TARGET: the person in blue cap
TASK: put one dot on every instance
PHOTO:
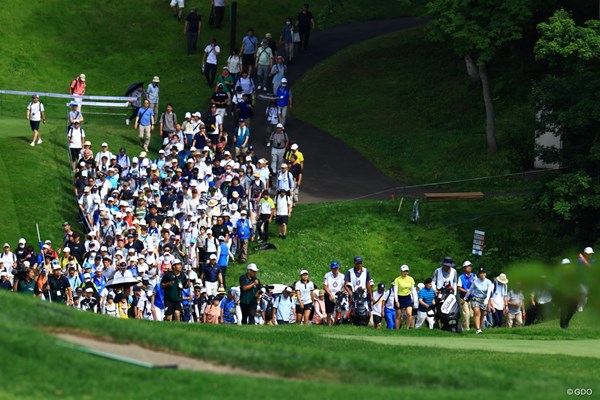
(359, 277)
(333, 283)
(445, 274)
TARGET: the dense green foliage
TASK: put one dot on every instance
(570, 92)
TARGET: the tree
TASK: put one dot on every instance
(570, 94)
(476, 29)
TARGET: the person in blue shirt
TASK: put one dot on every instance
(241, 137)
(244, 234)
(223, 260)
(228, 306)
(426, 300)
(465, 280)
(248, 50)
(282, 309)
(144, 123)
(284, 99)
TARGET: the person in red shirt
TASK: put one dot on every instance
(78, 88)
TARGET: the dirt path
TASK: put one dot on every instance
(573, 348)
(333, 169)
(155, 358)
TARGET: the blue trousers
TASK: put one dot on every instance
(390, 318)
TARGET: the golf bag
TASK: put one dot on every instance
(341, 313)
(360, 312)
(448, 310)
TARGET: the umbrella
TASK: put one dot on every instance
(267, 97)
(132, 87)
(121, 282)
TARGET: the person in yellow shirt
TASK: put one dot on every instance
(405, 285)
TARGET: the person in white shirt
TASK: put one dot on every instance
(35, 114)
(304, 292)
(445, 274)
(76, 136)
(378, 305)
(499, 306)
(480, 293)
(209, 61)
(283, 210)
(102, 153)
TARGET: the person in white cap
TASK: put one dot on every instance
(153, 94)
(8, 259)
(249, 287)
(282, 308)
(188, 128)
(212, 276)
(304, 289)
(465, 280)
(104, 152)
(35, 115)
(77, 89)
(585, 257)
(284, 99)
(278, 141)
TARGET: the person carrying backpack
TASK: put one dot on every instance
(35, 114)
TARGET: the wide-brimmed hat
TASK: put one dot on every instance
(502, 279)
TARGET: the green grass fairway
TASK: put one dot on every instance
(319, 366)
(573, 348)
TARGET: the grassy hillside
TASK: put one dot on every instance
(407, 106)
(322, 362)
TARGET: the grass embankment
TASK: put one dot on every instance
(331, 367)
(407, 106)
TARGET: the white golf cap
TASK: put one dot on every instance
(565, 261)
(294, 146)
(404, 268)
(467, 263)
(188, 115)
(252, 267)
(588, 250)
(303, 272)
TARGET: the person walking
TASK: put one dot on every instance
(287, 39)
(248, 50)
(284, 99)
(305, 23)
(192, 28)
(426, 302)
(209, 62)
(465, 280)
(172, 284)
(35, 115)
(480, 293)
(282, 308)
(244, 235)
(499, 306)
(77, 89)
(138, 93)
(277, 73)
(144, 122)
(263, 64)
(333, 283)
(168, 121)
(405, 285)
(219, 7)
(305, 294)
(278, 142)
(76, 136)
(249, 286)
(153, 94)
(283, 211)
(266, 212)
